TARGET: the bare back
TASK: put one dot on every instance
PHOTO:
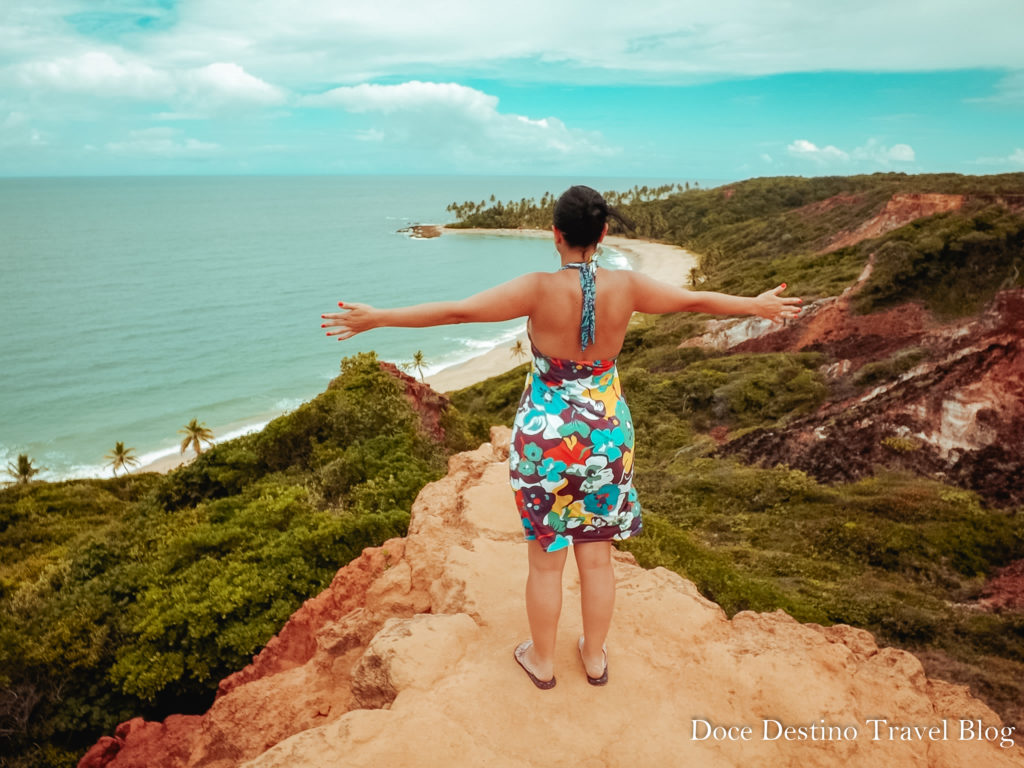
(555, 323)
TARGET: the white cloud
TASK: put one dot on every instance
(458, 119)
(100, 74)
(1015, 158)
(227, 83)
(352, 42)
(97, 73)
(369, 135)
(822, 155)
(878, 153)
(901, 153)
(872, 153)
(162, 141)
(1009, 90)
(413, 95)
(329, 42)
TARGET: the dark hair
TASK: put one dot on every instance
(581, 213)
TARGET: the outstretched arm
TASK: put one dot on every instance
(657, 298)
(503, 302)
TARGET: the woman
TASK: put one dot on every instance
(571, 457)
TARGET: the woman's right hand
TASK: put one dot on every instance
(355, 319)
(776, 308)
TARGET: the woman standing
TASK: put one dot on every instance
(571, 457)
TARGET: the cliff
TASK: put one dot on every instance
(956, 413)
(406, 660)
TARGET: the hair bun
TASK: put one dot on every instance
(580, 214)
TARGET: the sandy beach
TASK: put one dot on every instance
(661, 261)
(167, 463)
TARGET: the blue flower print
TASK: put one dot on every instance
(603, 501)
(560, 542)
(526, 465)
(606, 442)
(526, 468)
(626, 420)
(552, 470)
(546, 398)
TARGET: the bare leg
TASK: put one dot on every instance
(597, 598)
(543, 606)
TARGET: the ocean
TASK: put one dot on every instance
(130, 306)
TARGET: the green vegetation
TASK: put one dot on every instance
(195, 435)
(136, 595)
(121, 458)
(952, 262)
(896, 365)
(23, 471)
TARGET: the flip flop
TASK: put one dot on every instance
(518, 653)
(604, 675)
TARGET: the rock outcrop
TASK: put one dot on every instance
(899, 210)
(406, 660)
(957, 415)
(1005, 591)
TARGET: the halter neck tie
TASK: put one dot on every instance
(588, 271)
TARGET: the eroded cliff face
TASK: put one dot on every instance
(900, 210)
(957, 415)
(406, 660)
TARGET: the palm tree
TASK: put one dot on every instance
(419, 362)
(23, 471)
(195, 435)
(121, 458)
(518, 350)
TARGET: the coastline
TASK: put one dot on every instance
(174, 459)
(661, 261)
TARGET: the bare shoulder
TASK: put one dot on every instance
(621, 279)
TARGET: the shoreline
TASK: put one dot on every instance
(165, 464)
(662, 261)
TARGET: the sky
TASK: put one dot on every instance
(726, 90)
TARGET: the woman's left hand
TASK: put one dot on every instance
(776, 308)
(355, 319)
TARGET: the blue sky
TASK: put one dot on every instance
(723, 90)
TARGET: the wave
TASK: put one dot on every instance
(472, 348)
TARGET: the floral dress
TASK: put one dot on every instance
(571, 455)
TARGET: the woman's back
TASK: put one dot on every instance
(555, 321)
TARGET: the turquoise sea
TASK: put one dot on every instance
(131, 305)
